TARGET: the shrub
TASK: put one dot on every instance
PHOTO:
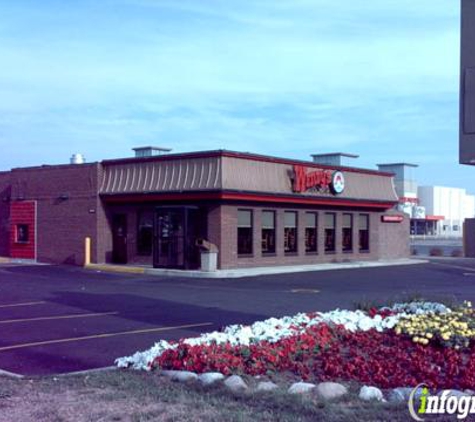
(456, 253)
(436, 252)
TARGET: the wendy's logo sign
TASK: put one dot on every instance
(338, 182)
(318, 180)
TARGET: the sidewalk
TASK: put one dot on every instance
(251, 272)
(7, 260)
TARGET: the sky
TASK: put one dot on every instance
(286, 78)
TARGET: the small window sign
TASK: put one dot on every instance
(22, 233)
(392, 218)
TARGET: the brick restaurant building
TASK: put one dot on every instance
(258, 211)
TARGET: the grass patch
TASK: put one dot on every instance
(139, 396)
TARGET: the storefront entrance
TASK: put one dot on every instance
(119, 239)
(176, 231)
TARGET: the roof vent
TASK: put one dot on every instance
(332, 158)
(77, 159)
(141, 152)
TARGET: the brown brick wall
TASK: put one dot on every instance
(228, 257)
(69, 209)
(5, 194)
(67, 206)
(388, 240)
(394, 238)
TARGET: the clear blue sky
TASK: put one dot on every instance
(286, 78)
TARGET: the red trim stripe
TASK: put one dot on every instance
(239, 196)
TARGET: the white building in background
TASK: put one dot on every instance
(451, 205)
(434, 210)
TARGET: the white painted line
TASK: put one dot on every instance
(459, 267)
(305, 291)
(51, 318)
(101, 336)
(12, 305)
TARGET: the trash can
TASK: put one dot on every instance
(209, 255)
(209, 261)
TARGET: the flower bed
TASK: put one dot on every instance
(369, 347)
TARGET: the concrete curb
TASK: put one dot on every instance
(86, 371)
(115, 268)
(10, 374)
(253, 272)
(7, 260)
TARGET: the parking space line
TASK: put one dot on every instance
(304, 291)
(12, 305)
(105, 335)
(459, 267)
(48, 318)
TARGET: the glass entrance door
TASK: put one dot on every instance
(176, 231)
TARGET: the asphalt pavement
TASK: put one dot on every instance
(59, 319)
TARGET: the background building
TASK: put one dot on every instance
(434, 210)
(453, 204)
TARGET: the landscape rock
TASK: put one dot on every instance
(331, 390)
(371, 393)
(266, 386)
(181, 376)
(454, 393)
(209, 378)
(401, 394)
(236, 384)
(301, 388)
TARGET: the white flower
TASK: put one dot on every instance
(275, 329)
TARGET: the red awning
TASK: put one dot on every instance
(435, 217)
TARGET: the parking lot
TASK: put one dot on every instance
(56, 319)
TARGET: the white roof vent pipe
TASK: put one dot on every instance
(77, 159)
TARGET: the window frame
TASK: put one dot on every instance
(295, 250)
(251, 233)
(333, 229)
(25, 228)
(350, 249)
(360, 230)
(140, 250)
(315, 229)
(274, 233)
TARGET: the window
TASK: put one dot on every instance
(363, 229)
(330, 223)
(290, 231)
(22, 233)
(311, 225)
(347, 233)
(244, 237)
(144, 233)
(455, 228)
(268, 232)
